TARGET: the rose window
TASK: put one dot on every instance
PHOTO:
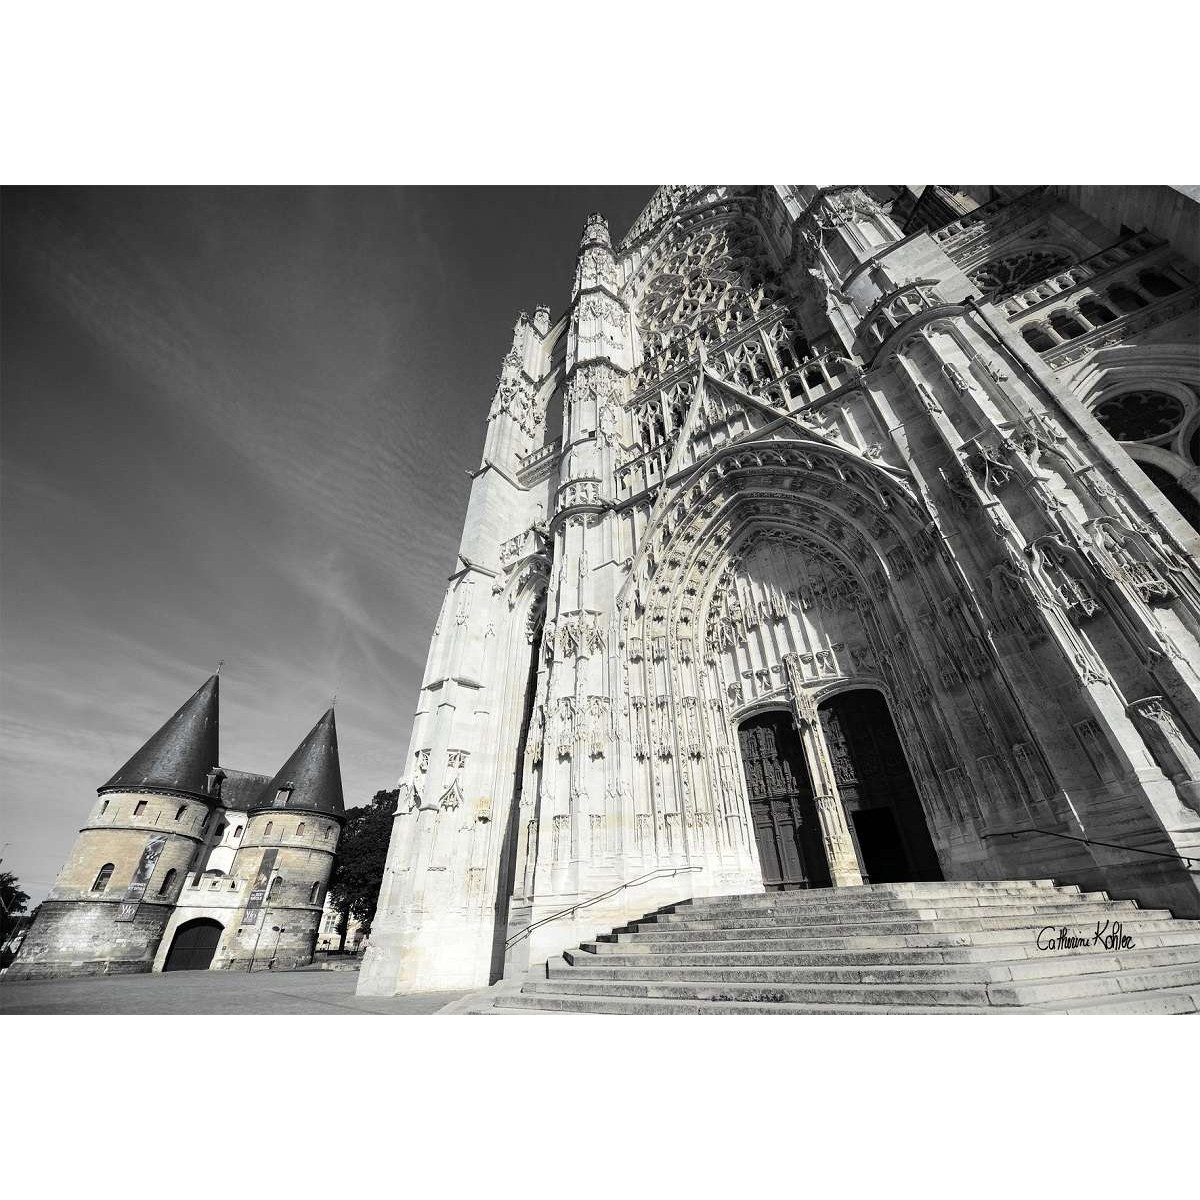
(1002, 277)
(1139, 416)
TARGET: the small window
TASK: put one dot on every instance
(168, 879)
(181, 812)
(300, 829)
(196, 881)
(102, 878)
(1157, 284)
(282, 796)
(221, 829)
(325, 833)
(1037, 338)
(1125, 298)
(103, 807)
(204, 823)
(267, 831)
(274, 888)
(237, 833)
(316, 891)
(139, 808)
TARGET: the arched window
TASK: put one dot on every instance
(1038, 338)
(181, 812)
(300, 829)
(1066, 326)
(1097, 313)
(102, 877)
(314, 893)
(168, 879)
(1157, 284)
(1125, 298)
(237, 833)
(274, 888)
(267, 831)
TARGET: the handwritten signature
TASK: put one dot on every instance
(1104, 938)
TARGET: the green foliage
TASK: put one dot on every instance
(362, 852)
(12, 901)
(11, 896)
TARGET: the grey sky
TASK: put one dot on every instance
(236, 424)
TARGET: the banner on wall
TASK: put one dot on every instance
(262, 881)
(128, 908)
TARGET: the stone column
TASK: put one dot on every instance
(835, 830)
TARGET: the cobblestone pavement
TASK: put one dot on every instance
(316, 993)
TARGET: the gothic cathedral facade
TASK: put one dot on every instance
(831, 535)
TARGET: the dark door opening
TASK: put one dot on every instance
(883, 857)
(877, 790)
(193, 946)
(781, 804)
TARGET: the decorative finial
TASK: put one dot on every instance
(333, 700)
(220, 665)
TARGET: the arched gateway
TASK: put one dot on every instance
(193, 946)
(822, 577)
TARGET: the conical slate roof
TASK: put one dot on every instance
(180, 755)
(313, 774)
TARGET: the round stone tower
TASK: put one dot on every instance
(287, 855)
(148, 827)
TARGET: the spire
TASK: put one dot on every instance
(312, 778)
(180, 755)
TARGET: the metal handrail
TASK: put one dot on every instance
(668, 871)
(1190, 862)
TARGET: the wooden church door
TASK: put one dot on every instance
(781, 804)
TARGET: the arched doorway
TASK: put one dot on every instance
(193, 946)
(877, 789)
(782, 808)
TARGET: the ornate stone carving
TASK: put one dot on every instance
(1171, 748)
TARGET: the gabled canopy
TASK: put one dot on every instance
(180, 755)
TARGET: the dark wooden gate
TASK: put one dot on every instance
(781, 804)
(193, 946)
(876, 788)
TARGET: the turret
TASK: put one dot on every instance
(287, 853)
(111, 902)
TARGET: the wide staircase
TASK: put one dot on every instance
(958, 947)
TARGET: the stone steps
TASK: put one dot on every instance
(1081, 907)
(946, 947)
(1074, 919)
(1164, 931)
(1050, 965)
(826, 898)
(1014, 952)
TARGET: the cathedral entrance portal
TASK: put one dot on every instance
(193, 946)
(782, 807)
(877, 789)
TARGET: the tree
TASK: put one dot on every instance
(362, 852)
(12, 901)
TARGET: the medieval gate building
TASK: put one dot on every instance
(830, 535)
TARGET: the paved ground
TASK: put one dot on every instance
(317, 993)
